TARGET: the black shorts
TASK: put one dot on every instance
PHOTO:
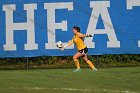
(83, 51)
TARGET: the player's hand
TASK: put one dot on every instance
(89, 35)
(62, 49)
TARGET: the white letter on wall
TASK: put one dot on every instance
(130, 4)
(100, 8)
(29, 26)
(52, 25)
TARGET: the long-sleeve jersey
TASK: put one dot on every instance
(78, 40)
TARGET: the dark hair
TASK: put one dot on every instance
(77, 28)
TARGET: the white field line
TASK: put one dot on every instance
(118, 91)
(71, 89)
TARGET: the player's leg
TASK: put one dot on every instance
(76, 61)
(89, 63)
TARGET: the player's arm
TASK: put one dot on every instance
(68, 44)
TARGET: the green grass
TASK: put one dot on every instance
(106, 80)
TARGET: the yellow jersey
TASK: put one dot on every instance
(78, 40)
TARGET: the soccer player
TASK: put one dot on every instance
(82, 48)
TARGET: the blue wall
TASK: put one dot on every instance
(116, 16)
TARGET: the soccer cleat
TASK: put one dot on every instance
(94, 69)
(77, 70)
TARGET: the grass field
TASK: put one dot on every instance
(106, 80)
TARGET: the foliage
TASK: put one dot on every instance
(66, 61)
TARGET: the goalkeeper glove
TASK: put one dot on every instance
(89, 35)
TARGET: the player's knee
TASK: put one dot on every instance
(86, 60)
(75, 59)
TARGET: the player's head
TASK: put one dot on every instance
(76, 29)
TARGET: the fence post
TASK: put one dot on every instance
(97, 64)
(27, 63)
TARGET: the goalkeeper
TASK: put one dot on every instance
(82, 48)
